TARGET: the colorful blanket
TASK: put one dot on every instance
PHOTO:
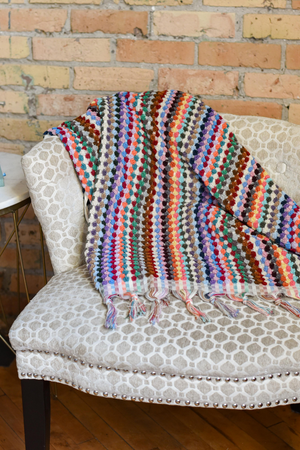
(178, 205)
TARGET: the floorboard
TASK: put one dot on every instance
(90, 445)
(258, 431)
(229, 429)
(84, 422)
(284, 432)
(92, 421)
(71, 425)
(174, 427)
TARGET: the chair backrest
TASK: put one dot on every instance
(57, 200)
(57, 197)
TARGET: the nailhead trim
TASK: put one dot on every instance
(162, 374)
(158, 400)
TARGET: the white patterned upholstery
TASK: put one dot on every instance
(57, 200)
(251, 361)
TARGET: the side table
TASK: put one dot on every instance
(13, 196)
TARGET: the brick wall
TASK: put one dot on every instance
(243, 56)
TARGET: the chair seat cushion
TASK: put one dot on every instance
(245, 361)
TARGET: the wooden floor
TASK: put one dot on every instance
(83, 422)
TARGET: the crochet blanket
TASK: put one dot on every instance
(178, 205)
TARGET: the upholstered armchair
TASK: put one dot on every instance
(249, 362)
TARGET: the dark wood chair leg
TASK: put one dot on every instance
(36, 410)
(296, 408)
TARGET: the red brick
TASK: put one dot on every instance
(293, 57)
(29, 233)
(195, 82)
(29, 213)
(49, 268)
(38, 19)
(246, 108)
(71, 49)
(266, 56)
(63, 104)
(160, 52)
(34, 282)
(270, 85)
(113, 78)
(10, 303)
(31, 258)
(296, 4)
(109, 21)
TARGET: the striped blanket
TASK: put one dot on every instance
(178, 206)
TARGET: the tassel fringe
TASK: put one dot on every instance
(284, 304)
(159, 300)
(136, 308)
(252, 304)
(227, 310)
(262, 310)
(111, 316)
(287, 305)
(186, 298)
